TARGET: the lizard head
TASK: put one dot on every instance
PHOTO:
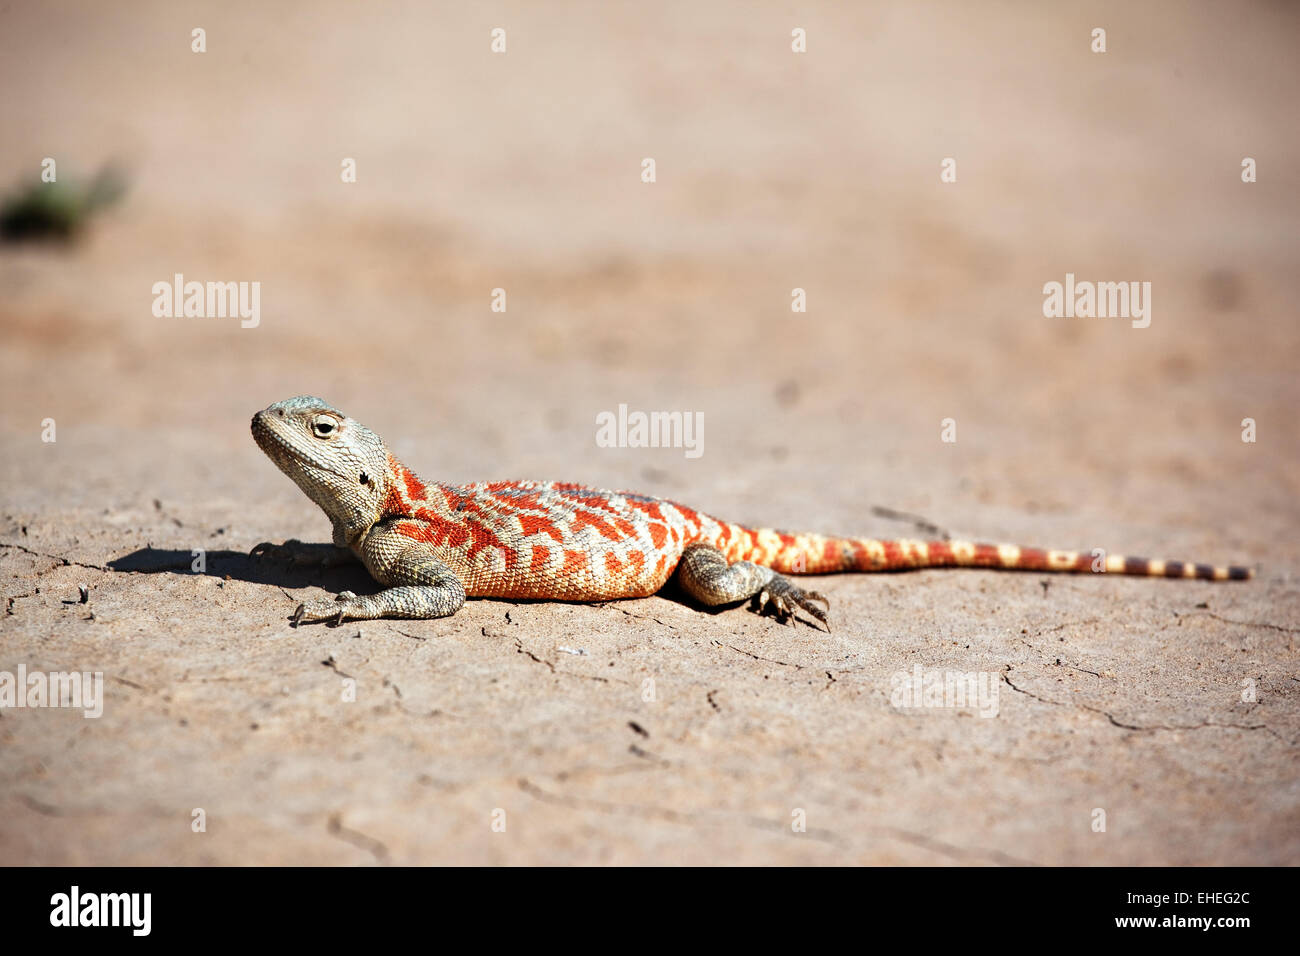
(337, 462)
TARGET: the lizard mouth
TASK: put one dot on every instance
(281, 450)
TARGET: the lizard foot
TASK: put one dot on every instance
(335, 612)
(781, 596)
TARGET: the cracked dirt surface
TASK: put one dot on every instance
(1170, 705)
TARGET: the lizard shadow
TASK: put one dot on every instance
(241, 566)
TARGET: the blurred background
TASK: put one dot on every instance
(775, 170)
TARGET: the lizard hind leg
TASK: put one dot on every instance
(705, 575)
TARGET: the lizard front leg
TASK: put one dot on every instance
(704, 574)
(421, 585)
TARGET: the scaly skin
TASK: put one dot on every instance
(432, 544)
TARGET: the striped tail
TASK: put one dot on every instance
(818, 554)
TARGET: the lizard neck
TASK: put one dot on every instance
(409, 497)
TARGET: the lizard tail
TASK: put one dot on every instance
(819, 554)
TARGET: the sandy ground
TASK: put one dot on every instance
(1169, 706)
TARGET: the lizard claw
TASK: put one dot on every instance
(333, 612)
(782, 596)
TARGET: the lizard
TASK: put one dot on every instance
(433, 544)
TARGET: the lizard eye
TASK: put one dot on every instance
(364, 479)
(323, 427)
